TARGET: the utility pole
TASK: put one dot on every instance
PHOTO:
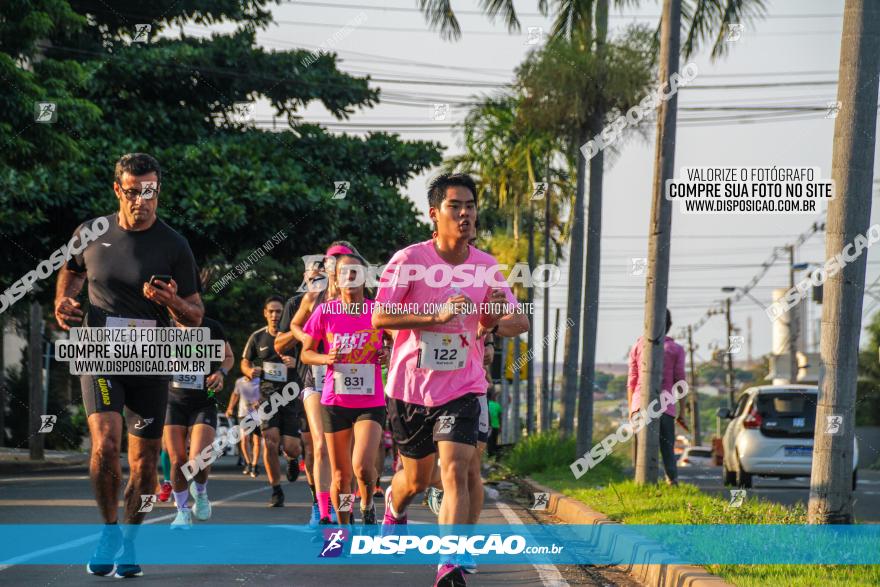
(692, 399)
(35, 389)
(729, 355)
(659, 229)
(792, 322)
(849, 214)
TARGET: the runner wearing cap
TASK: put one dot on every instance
(315, 282)
(314, 383)
(352, 395)
(436, 374)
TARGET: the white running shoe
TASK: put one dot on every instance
(183, 521)
(202, 507)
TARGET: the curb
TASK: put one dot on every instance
(571, 511)
(13, 466)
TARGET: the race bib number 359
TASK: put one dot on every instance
(443, 351)
(188, 381)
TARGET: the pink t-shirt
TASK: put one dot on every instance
(346, 382)
(415, 375)
(673, 372)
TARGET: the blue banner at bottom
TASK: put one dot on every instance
(609, 544)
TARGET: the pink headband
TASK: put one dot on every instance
(338, 250)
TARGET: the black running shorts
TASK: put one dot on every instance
(286, 419)
(140, 400)
(190, 413)
(337, 418)
(417, 429)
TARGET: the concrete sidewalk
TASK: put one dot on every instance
(18, 460)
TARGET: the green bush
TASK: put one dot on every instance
(539, 452)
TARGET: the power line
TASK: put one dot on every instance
(765, 267)
(521, 14)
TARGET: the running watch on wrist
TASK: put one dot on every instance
(224, 371)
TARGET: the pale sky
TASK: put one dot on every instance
(798, 42)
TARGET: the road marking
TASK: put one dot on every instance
(549, 574)
(86, 539)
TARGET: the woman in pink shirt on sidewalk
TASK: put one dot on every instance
(673, 372)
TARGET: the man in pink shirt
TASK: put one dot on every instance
(673, 372)
(440, 296)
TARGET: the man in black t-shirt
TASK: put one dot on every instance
(119, 266)
(192, 407)
(259, 359)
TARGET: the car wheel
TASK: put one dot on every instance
(728, 476)
(855, 478)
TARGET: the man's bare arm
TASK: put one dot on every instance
(512, 325)
(68, 286)
(188, 311)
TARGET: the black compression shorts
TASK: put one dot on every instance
(140, 400)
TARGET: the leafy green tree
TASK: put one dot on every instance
(230, 182)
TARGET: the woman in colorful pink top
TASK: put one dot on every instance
(353, 398)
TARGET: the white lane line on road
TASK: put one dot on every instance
(86, 539)
(549, 574)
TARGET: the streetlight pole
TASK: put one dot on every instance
(729, 354)
(792, 322)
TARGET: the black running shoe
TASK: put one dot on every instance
(277, 499)
(255, 471)
(293, 469)
(369, 516)
(325, 522)
(246, 470)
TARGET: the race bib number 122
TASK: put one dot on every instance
(443, 351)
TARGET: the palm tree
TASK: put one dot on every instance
(848, 215)
(569, 93)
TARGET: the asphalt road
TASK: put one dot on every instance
(790, 491)
(65, 497)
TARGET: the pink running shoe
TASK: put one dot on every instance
(449, 575)
(388, 519)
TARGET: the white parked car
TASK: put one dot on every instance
(771, 434)
(696, 456)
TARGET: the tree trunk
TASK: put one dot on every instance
(544, 422)
(530, 371)
(35, 394)
(594, 259)
(2, 381)
(657, 281)
(575, 283)
(849, 214)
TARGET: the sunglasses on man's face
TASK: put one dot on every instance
(146, 192)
